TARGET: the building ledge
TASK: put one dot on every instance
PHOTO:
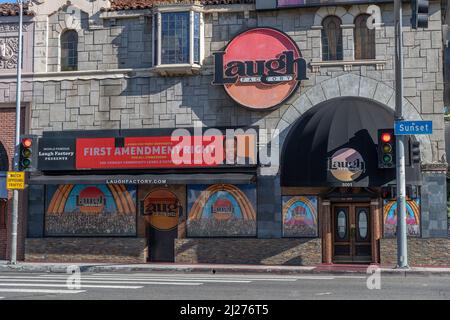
(173, 70)
(347, 65)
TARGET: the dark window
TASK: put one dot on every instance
(364, 39)
(69, 51)
(176, 39)
(331, 38)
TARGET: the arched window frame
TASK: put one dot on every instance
(69, 50)
(332, 48)
(364, 38)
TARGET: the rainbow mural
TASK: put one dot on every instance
(300, 216)
(412, 217)
(90, 210)
(221, 210)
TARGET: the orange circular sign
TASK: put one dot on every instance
(260, 68)
(162, 209)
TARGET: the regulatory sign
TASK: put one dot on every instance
(413, 127)
(15, 180)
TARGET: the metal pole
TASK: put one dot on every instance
(15, 211)
(402, 247)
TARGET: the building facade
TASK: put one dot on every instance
(306, 88)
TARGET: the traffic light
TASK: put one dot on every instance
(419, 14)
(414, 152)
(386, 149)
(26, 154)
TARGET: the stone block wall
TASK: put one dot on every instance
(249, 251)
(421, 252)
(113, 250)
(146, 100)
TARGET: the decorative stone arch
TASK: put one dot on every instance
(356, 10)
(72, 19)
(324, 12)
(351, 85)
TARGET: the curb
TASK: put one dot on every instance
(62, 268)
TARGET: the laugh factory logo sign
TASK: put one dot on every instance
(346, 165)
(260, 68)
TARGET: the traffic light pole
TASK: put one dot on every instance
(402, 247)
(15, 209)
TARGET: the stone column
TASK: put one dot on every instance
(434, 201)
(376, 229)
(327, 239)
(348, 42)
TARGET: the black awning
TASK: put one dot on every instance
(335, 144)
(197, 178)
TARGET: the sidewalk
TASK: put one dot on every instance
(217, 268)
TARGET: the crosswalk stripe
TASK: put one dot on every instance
(203, 276)
(65, 285)
(40, 291)
(211, 279)
(157, 279)
(103, 281)
(118, 281)
(199, 276)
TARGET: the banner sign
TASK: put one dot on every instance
(142, 152)
(147, 152)
(260, 68)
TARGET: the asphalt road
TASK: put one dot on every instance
(182, 286)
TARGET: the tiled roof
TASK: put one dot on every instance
(12, 9)
(145, 4)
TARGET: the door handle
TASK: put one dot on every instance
(352, 230)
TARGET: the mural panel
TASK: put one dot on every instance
(412, 217)
(300, 216)
(221, 210)
(90, 210)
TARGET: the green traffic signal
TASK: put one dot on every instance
(387, 158)
(26, 163)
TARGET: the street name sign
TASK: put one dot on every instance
(413, 127)
(15, 180)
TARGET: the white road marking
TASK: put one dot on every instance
(163, 279)
(107, 282)
(116, 281)
(193, 278)
(65, 285)
(323, 294)
(41, 291)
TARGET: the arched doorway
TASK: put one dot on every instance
(330, 153)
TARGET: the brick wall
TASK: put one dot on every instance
(7, 138)
(249, 251)
(113, 250)
(426, 252)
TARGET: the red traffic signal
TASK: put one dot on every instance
(386, 137)
(27, 142)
